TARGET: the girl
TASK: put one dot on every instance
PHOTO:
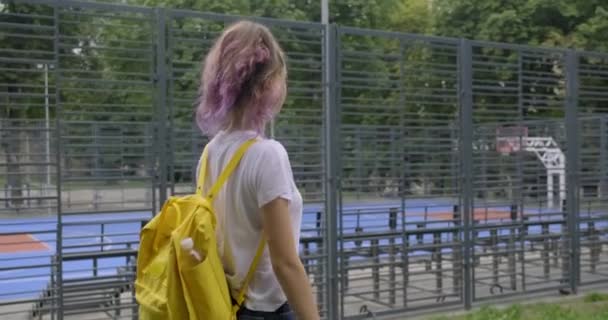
(243, 88)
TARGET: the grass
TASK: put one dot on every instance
(592, 307)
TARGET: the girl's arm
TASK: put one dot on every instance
(285, 260)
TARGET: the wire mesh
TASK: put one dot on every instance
(593, 173)
(105, 68)
(105, 73)
(398, 104)
(28, 166)
(515, 87)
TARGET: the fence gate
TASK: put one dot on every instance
(593, 166)
(525, 246)
(28, 157)
(400, 212)
(106, 58)
(80, 123)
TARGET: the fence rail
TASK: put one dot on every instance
(436, 172)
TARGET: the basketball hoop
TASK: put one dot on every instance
(508, 139)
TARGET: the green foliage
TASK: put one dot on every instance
(412, 16)
(595, 297)
(403, 15)
(286, 9)
(591, 34)
(486, 313)
(22, 87)
(564, 23)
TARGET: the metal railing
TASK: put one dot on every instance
(396, 142)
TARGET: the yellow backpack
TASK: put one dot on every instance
(170, 284)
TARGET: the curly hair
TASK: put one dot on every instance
(243, 82)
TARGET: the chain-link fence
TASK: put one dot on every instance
(436, 172)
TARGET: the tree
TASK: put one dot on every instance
(27, 47)
(563, 23)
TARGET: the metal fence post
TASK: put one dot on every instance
(331, 172)
(161, 104)
(572, 166)
(604, 156)
(520, 194)
(466, 158)
(58, 152)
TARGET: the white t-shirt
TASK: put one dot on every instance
(263, 175)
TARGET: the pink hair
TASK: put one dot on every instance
(243, 80)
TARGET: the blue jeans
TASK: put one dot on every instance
(282, 313)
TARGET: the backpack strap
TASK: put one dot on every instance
(232, 164)
(214, 190)
(202, 173)
(254, 265)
